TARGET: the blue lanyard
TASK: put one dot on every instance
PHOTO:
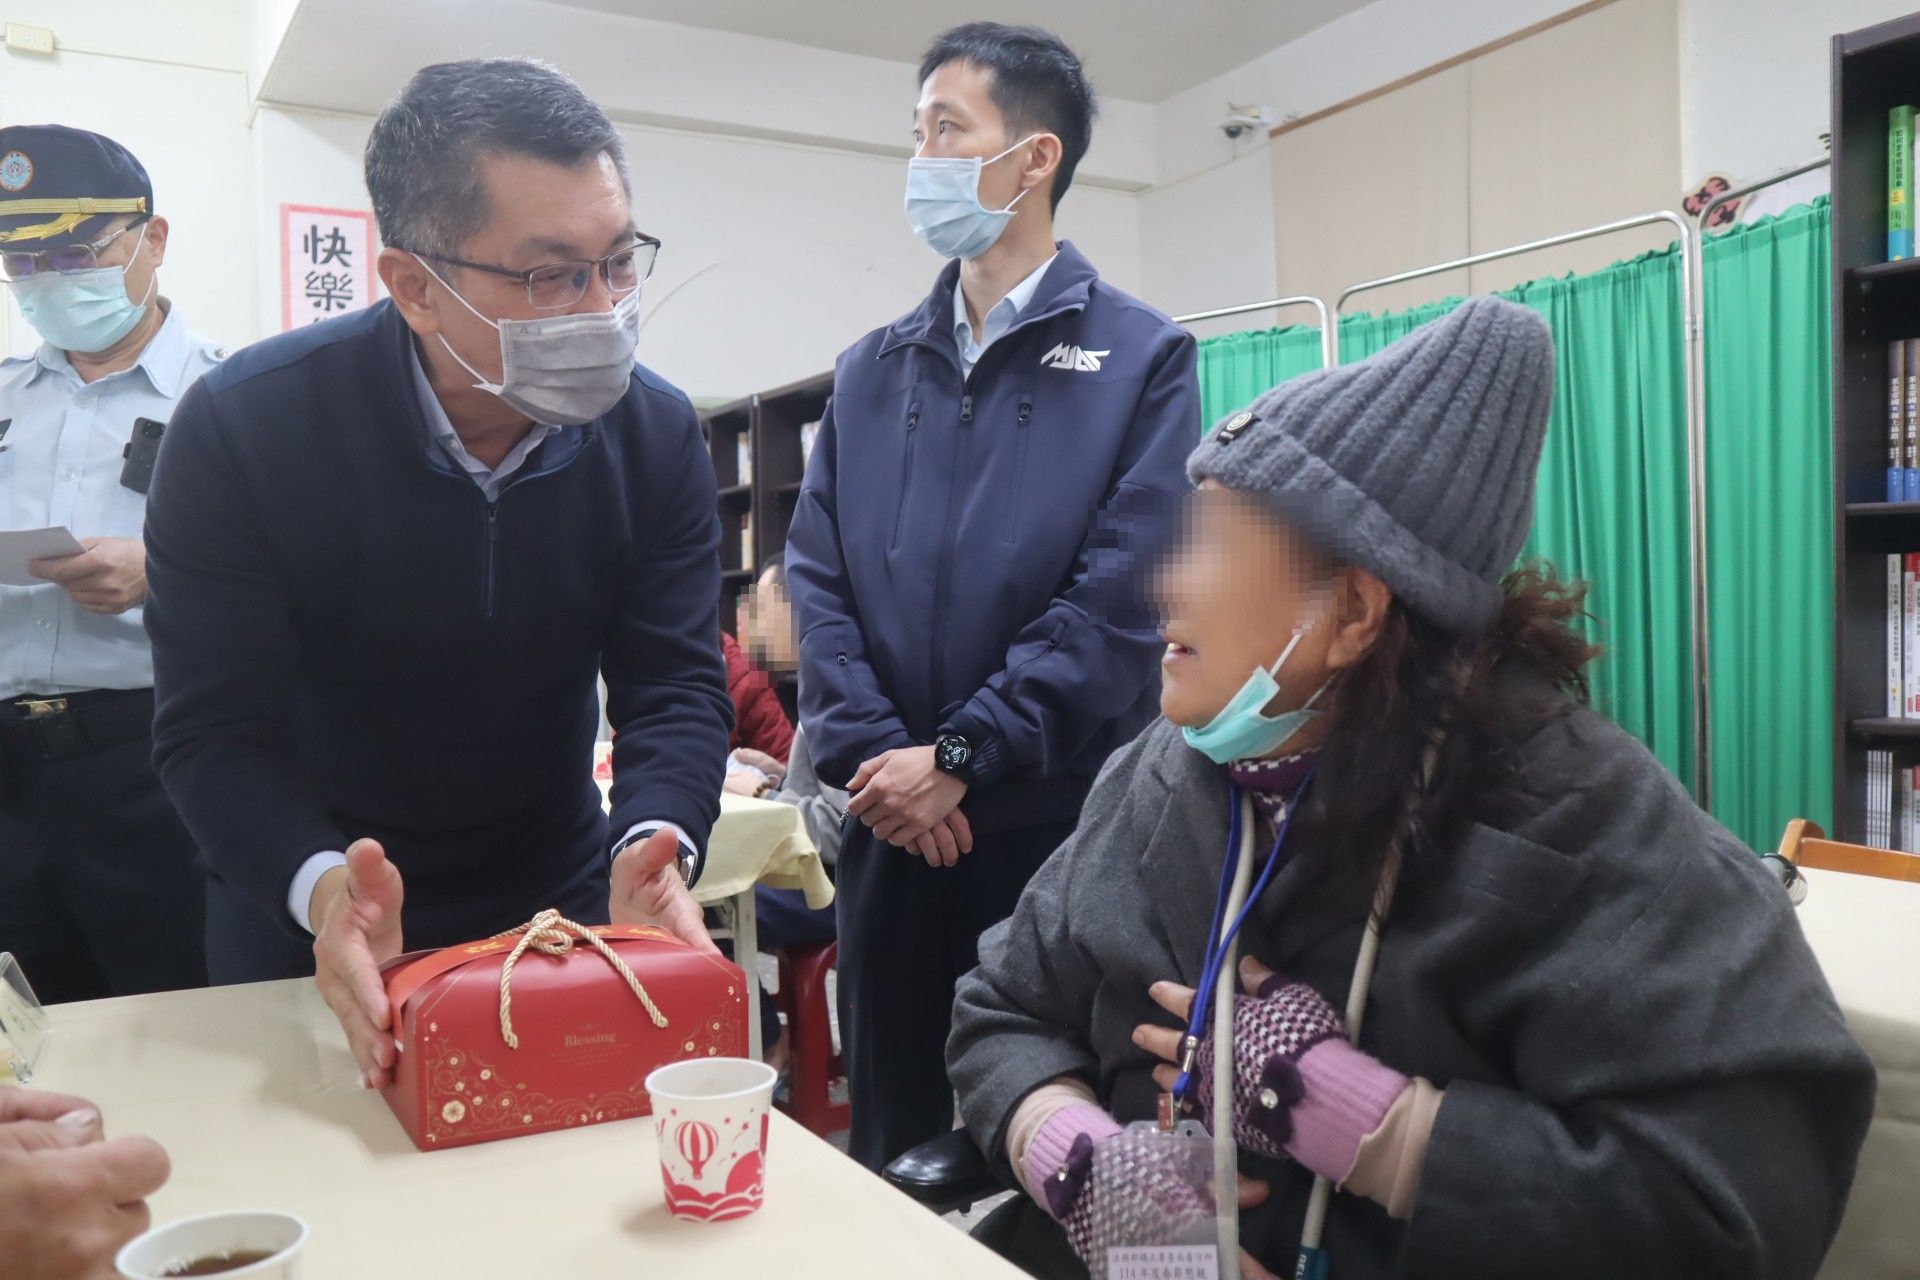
(1217, 946)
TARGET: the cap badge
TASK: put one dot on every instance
(1231, 429)
(16, 171)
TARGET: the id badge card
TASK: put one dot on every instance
(1175, 1233)
(23, 1023)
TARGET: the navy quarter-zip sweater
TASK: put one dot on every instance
(350, 640)
(969, 554)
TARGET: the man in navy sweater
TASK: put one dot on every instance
(388, 554)
(967, 560)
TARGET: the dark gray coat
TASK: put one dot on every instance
(1646, 1074)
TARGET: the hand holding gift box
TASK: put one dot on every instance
(356, 919)
(552, 1025)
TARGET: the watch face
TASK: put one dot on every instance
(954, 753)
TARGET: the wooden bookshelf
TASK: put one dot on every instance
(1874, 303)
(770, 422)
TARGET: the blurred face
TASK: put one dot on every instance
(766, 626)
(1232, 595)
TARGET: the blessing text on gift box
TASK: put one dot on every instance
(552, 1026)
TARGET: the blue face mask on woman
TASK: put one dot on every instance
(1242, 730)
(943, 204)
(83, 311)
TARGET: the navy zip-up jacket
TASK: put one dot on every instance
(968, 554)
(350, 640)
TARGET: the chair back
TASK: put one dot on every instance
(1806, 845)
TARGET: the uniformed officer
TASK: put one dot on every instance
(99, 891)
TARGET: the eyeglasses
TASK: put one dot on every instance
(561, 284)
(67, 258)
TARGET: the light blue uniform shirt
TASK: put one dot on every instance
(60, 464)
(1000, 318)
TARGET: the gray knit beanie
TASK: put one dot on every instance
(1416, 463)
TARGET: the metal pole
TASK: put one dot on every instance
(1329, 338)
(1695, 429)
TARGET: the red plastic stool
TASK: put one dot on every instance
(803, 998)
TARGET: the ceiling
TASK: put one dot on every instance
(1143, 50)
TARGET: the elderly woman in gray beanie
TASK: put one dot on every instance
(1595, 1042)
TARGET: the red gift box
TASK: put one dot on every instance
(541, 1029)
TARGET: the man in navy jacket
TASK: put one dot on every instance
(967, 560)
(389, 554)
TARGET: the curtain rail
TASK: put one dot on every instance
(1329, 341)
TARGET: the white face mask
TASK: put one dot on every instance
(565, 369)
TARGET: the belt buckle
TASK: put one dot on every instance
(41, 708)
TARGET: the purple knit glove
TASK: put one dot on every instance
(1133, 1188)
(1271, 1033)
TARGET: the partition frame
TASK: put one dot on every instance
(1329, 340)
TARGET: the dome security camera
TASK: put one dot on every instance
(1244, 120)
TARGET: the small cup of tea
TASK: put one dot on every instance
(258, 1245)
(711, 1118)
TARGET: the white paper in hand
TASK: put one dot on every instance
(18, 546)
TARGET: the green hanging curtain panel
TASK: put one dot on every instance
(1770, 523)
(1611, 507)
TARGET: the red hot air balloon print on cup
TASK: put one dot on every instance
(711, 1118)
(697, 1142)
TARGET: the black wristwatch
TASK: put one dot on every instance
(953, 754)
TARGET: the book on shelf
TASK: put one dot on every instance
(1899, 183)
(743, 458)
(746, 542)
(1896, 628)
(1910, 635)
(1910, 462)
(808, 432)
(1903, 808)
(1873, 812)
(1897, 400)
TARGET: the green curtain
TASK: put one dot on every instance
(1612, 499)
(1770, 523)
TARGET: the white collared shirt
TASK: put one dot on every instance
(1000, 317)
(61, 447)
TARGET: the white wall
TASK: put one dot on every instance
(1206, 242)
(1214, 207)
(170, 84)
(1755, 80)
(1753, 94)
(1754, 89)
(776, 255)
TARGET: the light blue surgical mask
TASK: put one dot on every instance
(83, 311)
(943, 203)
(1242, 730)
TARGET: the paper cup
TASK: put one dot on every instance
(710, 1116)
(164, 1250)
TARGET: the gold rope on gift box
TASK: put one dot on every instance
(553, 934)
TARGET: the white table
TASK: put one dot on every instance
(252, 1091)
(1866, 933)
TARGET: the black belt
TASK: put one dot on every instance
(71, 724)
